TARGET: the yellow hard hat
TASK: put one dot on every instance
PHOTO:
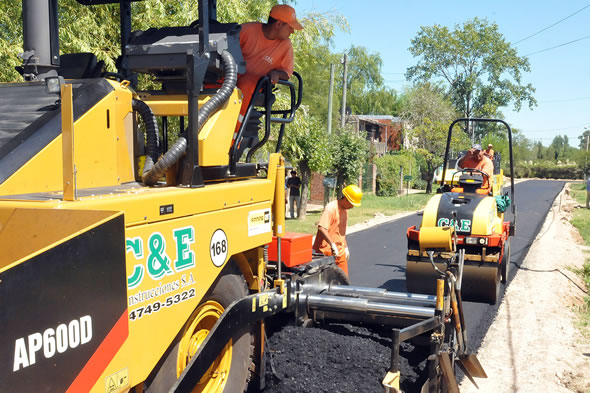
(354, 194)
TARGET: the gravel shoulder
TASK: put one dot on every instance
(533, 344)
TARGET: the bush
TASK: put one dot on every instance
(388, 172)
(546, 170)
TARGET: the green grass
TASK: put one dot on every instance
(371, 205)
(581, 220)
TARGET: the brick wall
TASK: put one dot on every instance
(317, 189)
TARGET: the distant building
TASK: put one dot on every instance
(382, 131)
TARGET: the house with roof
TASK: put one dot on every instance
(384, 132)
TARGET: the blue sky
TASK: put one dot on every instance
(561, 75)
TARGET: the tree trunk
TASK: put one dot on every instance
(428, 176)
(339, 185)
(305, 172)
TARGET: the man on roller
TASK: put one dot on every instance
(331, 236)
(477, 160)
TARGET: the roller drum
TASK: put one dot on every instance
(481, 281)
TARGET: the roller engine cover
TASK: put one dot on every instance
(463, 206)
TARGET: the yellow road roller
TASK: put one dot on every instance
(477, 214)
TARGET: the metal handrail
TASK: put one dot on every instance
(266, 86)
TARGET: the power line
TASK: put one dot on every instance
(557, 46)
(564, 100)
(553, 129)
(546, 139)
(548, 27)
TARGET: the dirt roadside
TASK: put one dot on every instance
(533, 344)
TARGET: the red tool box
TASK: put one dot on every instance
(295, 248)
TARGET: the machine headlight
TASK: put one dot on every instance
(482, 241)
(53, 84)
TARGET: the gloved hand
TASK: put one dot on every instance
(334, 250)
(347, 253)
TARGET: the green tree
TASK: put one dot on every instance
(366, 93)
(559, 147)
(390, 168)
(585, 139)
(481, 70)
(307, 147)
(523, 148)
(539, 150)
(10, 39)
(349, 153)
(428, 115)
(313, 58)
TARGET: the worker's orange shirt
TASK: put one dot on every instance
(485, 165)
(489, 153)
(263, 55)
(334, 220)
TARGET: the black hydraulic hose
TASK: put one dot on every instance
(151, 127)
(151, 176)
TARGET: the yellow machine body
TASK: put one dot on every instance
(103, 145)
(481, 231)
(174, 243)
(216, 135)
(486, 219)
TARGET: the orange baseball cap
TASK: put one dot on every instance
(286, 14)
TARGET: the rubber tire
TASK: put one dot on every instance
(230, 286)
(506, 262)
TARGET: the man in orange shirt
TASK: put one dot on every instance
(477, 160)
(267, 50)
(331, 236)
(489, 152)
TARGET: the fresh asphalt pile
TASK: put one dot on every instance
(336, 358)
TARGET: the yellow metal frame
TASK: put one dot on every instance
(169, 257)
(101, 139)
(215, 136)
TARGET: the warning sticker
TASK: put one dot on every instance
(117, 381)
(259, 222)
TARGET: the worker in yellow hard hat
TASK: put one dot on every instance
(331, 235)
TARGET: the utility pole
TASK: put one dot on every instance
(330, 96)
(343, 111)
(586, 158)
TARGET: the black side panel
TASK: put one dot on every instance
(30, 118)
(83, 280)
(464, 207)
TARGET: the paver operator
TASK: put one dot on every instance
(267, 50)
(331, 236)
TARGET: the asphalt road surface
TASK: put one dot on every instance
(378, 254)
